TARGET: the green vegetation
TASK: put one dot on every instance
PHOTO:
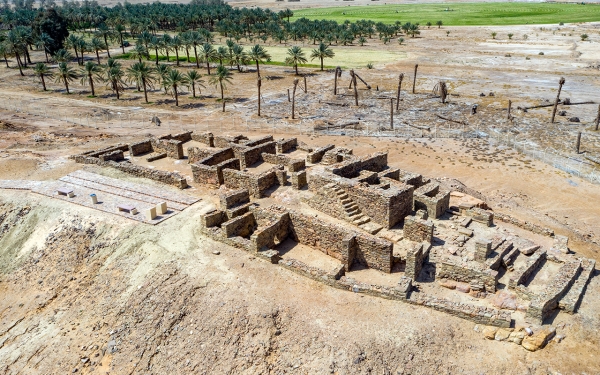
(460, 14)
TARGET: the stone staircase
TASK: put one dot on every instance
(351, 211)
(570, 301)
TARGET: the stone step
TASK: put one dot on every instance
(343, 196)
(352, 212)
(329, 186)
(349, 205)
(355, 217)
(371, 227)
(347, 200)
(570, 301)
(363, 220)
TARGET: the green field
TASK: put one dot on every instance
(460, 14)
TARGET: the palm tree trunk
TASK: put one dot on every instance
(257, 68)
(321, 64)
(168, 58)
(145, 91)
(98, 57)
(296, 67)
(46, 52)
(43, 82)
(196, 54)
(156, 50)
(177, 55)
(193, 89)
(92, 84)
(67, 85)
(187, 52)
(122, 46)
(6, 60)
(107, 47)
(19, 63)
(27, 55)
(176, 96)
(222, 96)
(208, 66)
(77, 56)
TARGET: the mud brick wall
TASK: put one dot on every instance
(259, 141)
(139, 148)
(116, 155)
(317, 154)
(342, 243)
(213, 174)
(298, 180)
(418, 230)
(234, 198)
(173, 148)
(479, 215)
(242, 226)
(468, 271)
(478, 314)
(293, 165)
(250, 155)
(270, 235)
(206, 138)
(224, 141)
(286, 145)
(376, 162)
(546, 301)
(414, 261)
(521, 274)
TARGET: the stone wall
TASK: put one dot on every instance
(224, 141)
(342, 243)
(257, 184)
(418, 230)
(251, 155)
(242, 226)
(196, 154)
(286, 145)
(479, 215)
(116, 155)
(521, 274)
(173, 148)
(376, 162)
(410, 178)
(547, 300)
(234, 198)
(259, 141)
(432, 199)
(483, 248)
(205, 138)
(140, 148)
(524, 224)
(298, 179)
(182, 137)
(97, 153)
(468, 271)
(414, 261)
(213, 174)
(293, 165)
(218, 156)
(317, 154)
(270, 235)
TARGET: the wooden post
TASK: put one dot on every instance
(578, 144)
(294, 98)
(305, 87)
(353, 82)
(392, 113)
(289, 100)
(338, 73)
(415, 78)
(561, 82)
(258, 83)
(399, 88)
(598, 118)
(509, 105)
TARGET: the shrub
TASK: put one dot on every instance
(369, 66)
(541, 53)
(584, 37)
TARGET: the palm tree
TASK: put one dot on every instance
(83, 47)
(105, 32)
(89, 70)
(193, 78)
(65, 74)
(239, 56)
(96, 45)
(176, 44)
(72, 41)
(208, 54)
(439, 24)
(258, 53)
(138, 52)
(4, 51)
(494, 35)
(41, 70)
(163, 70)
(120, 30)
(222, 77)
(42, 42)
(196, 40)
(143, 75)
(166, 44)
(295, 56)
(62, 55)
(155, 44)
(15, 44)
(174, 79)
(222, 54)
(413, 30)
(323, 52)
(113, 75)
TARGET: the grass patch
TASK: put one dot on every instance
(460, 14)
